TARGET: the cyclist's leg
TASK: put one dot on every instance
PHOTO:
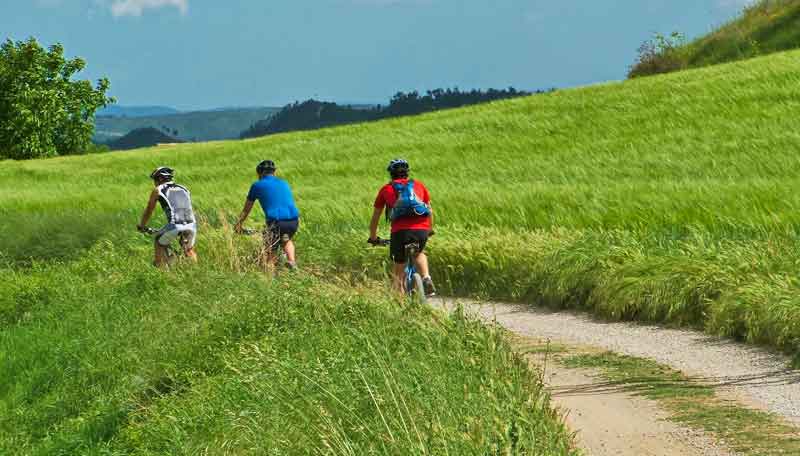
(421, 260)
(162, 239)
(291, 255)
(397, 249)
(188, 238)
(287, 230)
(399, 277)
(272, 242)
(160, 255)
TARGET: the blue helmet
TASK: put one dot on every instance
(398, 165)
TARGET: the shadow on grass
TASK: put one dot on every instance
(688, 385)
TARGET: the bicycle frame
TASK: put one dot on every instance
(411, 269)
(170, 253)
(413, 284)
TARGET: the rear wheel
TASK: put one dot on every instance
(418, 290)
(171, 256)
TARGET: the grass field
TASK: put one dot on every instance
(103, 355)
(670, 199)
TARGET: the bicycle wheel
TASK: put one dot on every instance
(417, 292)
(171, 255)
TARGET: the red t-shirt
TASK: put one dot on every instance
(387, 197)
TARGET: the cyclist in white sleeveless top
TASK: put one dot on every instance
(176, 202)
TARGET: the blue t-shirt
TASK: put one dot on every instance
(275, 198)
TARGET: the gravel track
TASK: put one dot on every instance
(754, 375)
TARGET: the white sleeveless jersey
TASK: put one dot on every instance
(176, 202)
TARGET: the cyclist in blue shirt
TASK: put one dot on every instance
(280, 211)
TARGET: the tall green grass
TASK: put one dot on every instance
(104, 355)
(668, 199)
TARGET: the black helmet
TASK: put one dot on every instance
(162, 173)
(266, 166)
(397, 166)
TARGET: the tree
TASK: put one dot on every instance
(43, 113)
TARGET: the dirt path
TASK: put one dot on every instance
(621, 424)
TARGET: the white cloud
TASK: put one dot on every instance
(136, 7)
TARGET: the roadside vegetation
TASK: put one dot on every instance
(103, 354)
(763, 28)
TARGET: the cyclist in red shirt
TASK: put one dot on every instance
(413, 222)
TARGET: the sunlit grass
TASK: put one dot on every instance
(671, 198)
(105, 355)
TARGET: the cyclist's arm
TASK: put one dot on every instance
(373, 224)
(248, 206)
(148, 211)
(430, 208)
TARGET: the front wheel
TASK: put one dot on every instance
(417, 290)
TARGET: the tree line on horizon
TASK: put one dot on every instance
(314, 114)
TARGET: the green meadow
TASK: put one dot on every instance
(104, 355)
(671, 199)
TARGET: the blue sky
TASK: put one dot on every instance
(195, 54)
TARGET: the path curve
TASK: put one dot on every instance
(753, 375)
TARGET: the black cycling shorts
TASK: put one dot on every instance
(402, 238)
(279, 232)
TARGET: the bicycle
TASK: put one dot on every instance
(171, 254)
(280, 261)
(415, 289)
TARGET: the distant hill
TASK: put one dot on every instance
(763, 28)
(136, 111)
(314, 114)
(187, 126)
(142, 137)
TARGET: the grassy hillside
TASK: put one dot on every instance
(766, 27)
(191, 126)
(670, 199)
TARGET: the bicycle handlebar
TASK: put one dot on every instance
(147, 230)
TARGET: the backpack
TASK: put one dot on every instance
(407, 204)
(177, 203)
